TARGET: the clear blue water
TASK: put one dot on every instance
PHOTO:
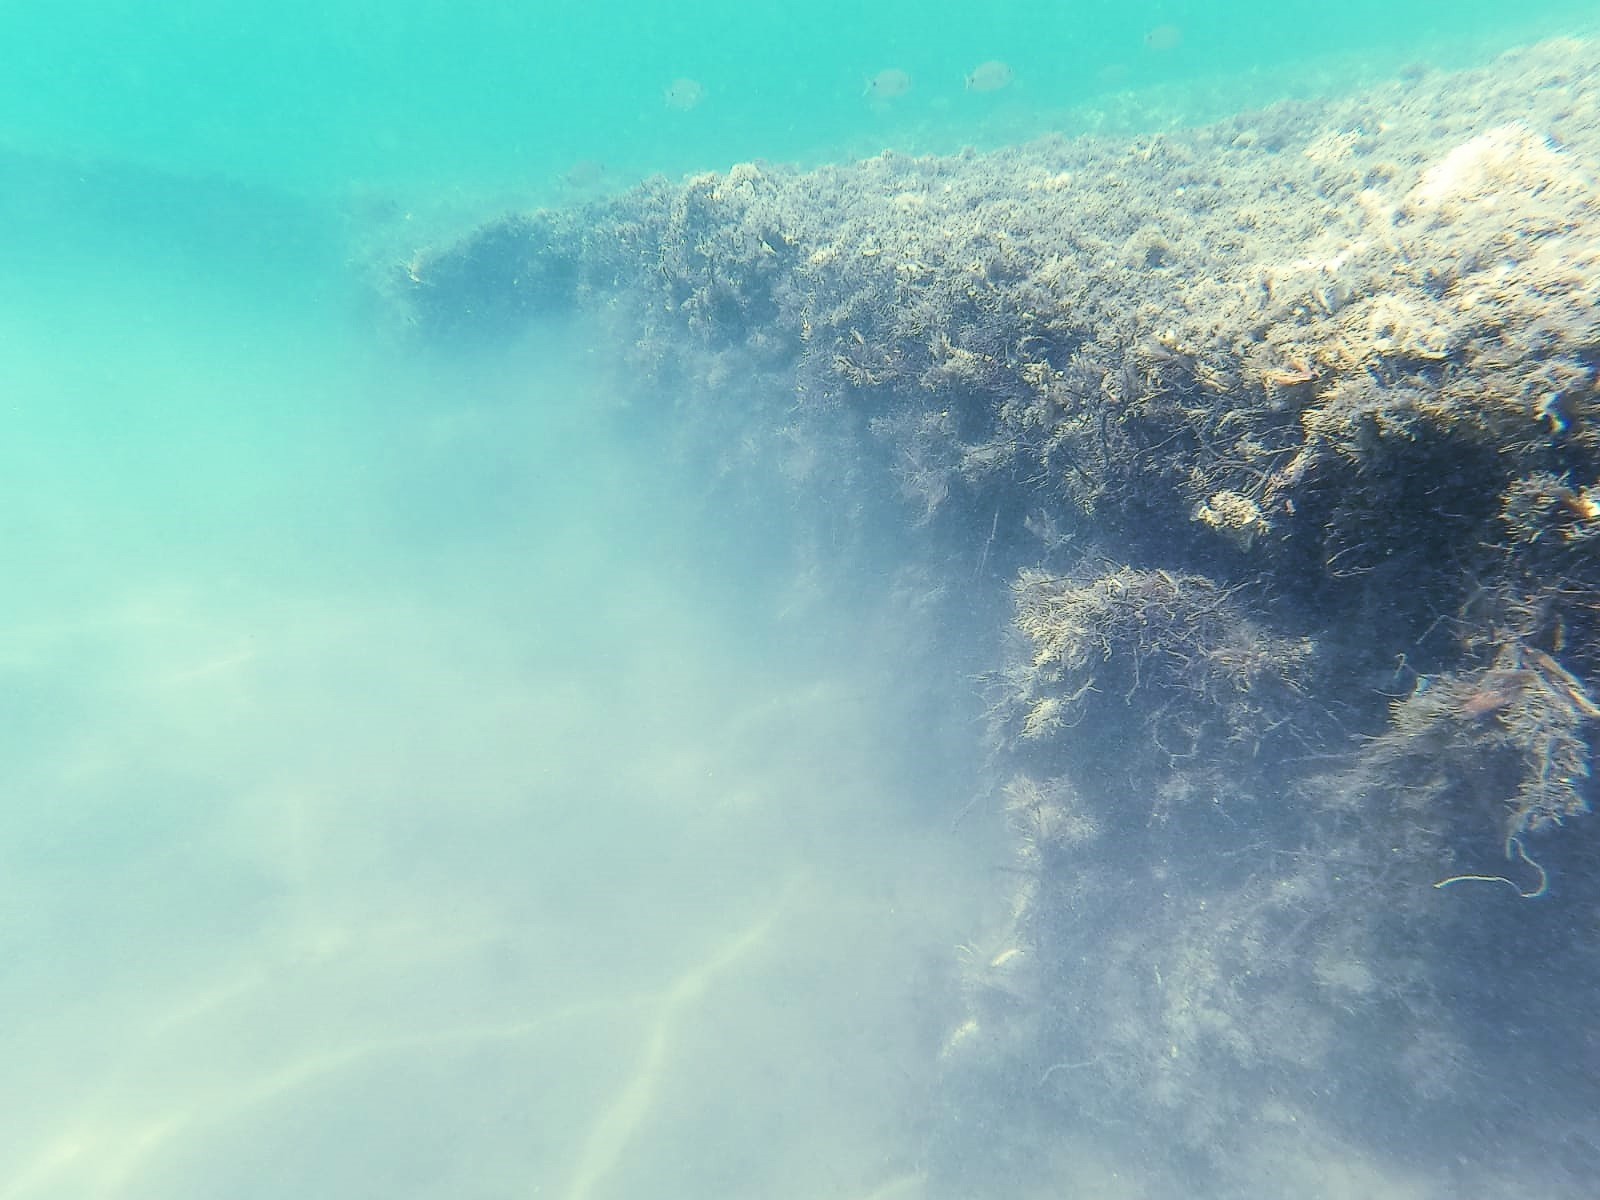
(391, 804)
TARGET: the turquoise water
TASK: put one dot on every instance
(403, 795)
(483, 95)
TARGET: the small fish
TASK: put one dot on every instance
(888, 83)
(684, 94)
(989, 77)
(1163, 38)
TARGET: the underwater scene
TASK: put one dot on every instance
(753, 601)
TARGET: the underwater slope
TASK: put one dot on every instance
(1283, 435)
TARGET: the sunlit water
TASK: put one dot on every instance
(401, 797)
(405, 792)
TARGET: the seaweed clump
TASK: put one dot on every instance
(1509, 736)
(1207, 675)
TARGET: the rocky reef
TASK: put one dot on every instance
(1282, 436)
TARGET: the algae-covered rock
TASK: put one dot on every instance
(1282, 439)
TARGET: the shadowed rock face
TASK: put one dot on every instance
(1285, 435)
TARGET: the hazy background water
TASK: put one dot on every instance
(405, 792)
(484, 94)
